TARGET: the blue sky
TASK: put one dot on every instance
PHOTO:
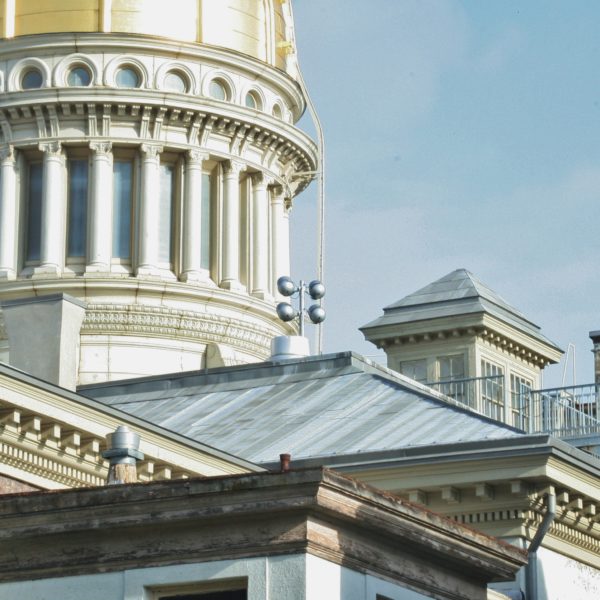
(459, 134)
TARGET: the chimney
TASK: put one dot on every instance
(123, 453)
(43, 336)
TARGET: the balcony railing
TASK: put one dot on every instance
(565, 412)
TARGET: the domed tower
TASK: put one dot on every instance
(148, 163)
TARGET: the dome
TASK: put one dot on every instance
(258, 28)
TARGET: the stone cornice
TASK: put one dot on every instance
(200, 120)
(181, 293)
(57, 436)
(318, 510)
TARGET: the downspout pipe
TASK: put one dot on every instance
(532, 567)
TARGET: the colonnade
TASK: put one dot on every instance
(267, 250)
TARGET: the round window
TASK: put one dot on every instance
(251, 101)
(175, 82)
(217, 90)
(79, 77)
(32, 79)
(127, 78)
(277, 111)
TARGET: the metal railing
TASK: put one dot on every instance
(483, 394)
(563, 412)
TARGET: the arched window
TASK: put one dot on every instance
(32, 79)
(79, 76)
(217, 90)
(127, 77)
(176, 82)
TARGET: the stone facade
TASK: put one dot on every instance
(151, 179)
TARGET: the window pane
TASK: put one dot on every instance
(175, 82)
(250, 100)
(165, 208)
(127, 78)
(217, 90)
(415, 369)
(205, 223)
(233, 595)
(34, 211)
(32, 79)
(123, 186)
(451, 367)
(79, 77)
(78, 193)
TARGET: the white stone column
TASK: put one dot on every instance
(149, 210)
(8, 214)
(279, 254)
(230, 271)
(191, 269)
(285, 265)
(54, 211)
(101, 207)
(260, 237)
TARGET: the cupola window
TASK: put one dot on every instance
(277, 111)
(79, 77)
(127, 78)
(217, 90)
(175, 82)
(32, 79)
(251, 101)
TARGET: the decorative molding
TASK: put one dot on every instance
(7, 155)
(103, 149)
(232, 168)
(196, 157)
(126, 319)
(151, 152)
(52, 149)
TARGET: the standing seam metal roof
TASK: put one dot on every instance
(325, 406)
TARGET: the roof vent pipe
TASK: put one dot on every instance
(284, 347)
(532, 568)
(123, 453)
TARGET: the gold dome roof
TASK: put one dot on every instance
(253, 27)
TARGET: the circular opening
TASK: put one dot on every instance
(277, 111)
(251, 100)
(32, 79)
(217, 90)
(175, 82)
(127, 78)
(79, 77)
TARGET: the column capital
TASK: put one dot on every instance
(232, 168)
(260, 180)
(52, 149)
(7, 154)
(196, 157)
(151, 151)
(278, 191)
(101, 148)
